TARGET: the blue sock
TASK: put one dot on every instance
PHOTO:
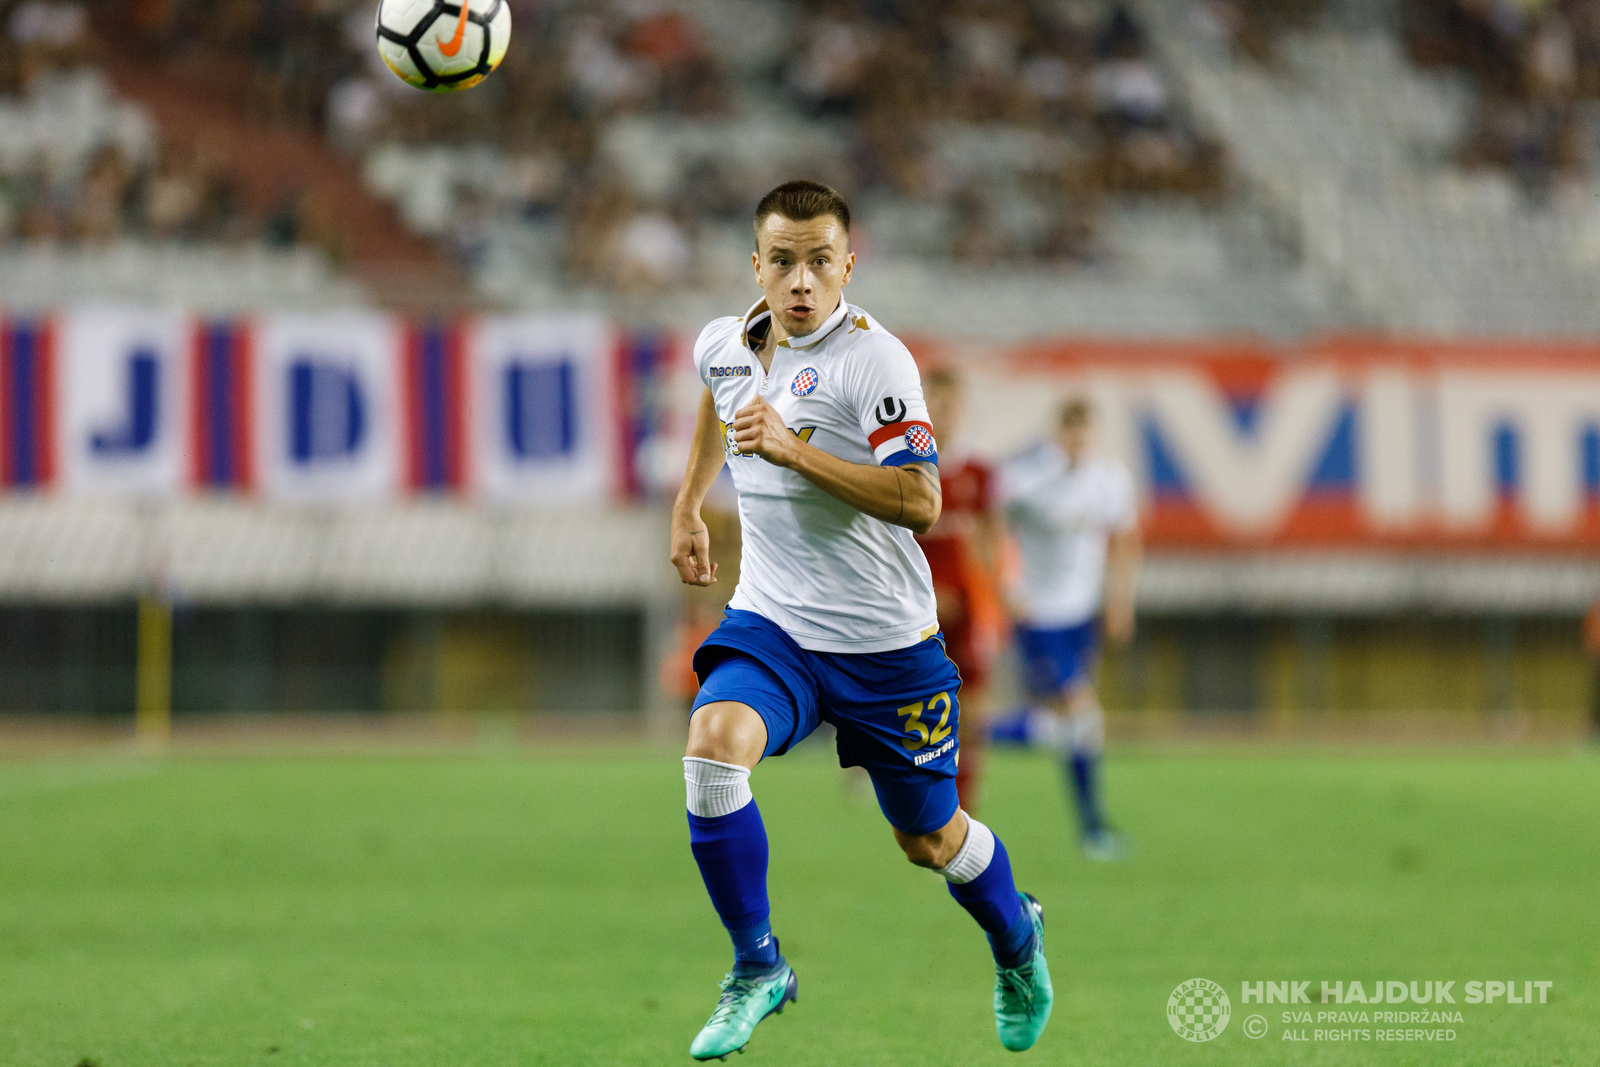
(992, 899)
(731, 851)
(1083, 768)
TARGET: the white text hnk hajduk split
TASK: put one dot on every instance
(1393, 992)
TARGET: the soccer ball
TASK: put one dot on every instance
(443, 46)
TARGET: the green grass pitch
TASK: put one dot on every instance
(520, 909)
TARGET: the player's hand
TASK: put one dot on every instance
(691, 550)
(758, 430)
(1119, 623)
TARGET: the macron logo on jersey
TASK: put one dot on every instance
(728, 372)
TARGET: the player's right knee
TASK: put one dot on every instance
(727, 732)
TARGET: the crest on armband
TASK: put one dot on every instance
(920, 441)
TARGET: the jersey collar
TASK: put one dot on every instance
(760, 311)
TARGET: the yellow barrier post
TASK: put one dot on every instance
(153, 673)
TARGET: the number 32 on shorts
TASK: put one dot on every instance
(921, 734)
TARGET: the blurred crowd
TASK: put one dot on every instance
(1010, 122)
(1536, 65)
(893, 83)
(71, 174)
(180, 196)
(906, 74)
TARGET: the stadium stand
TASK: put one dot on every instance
(1022, 140)
(207, 172)
(1268, 167)
(1536, 69)
(1357, 154)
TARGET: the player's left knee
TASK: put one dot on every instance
(933, 850)
(1082, 700)
(923, 850)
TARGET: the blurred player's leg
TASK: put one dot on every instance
(1060, 667)
(1082, 742)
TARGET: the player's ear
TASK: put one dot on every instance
(849, 268)
(755, 264)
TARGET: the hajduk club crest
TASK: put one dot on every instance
(920, 441)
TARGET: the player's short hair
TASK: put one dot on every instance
(802, 201)
(1075, 411)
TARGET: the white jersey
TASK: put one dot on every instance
(1061, 516)
(835, 579)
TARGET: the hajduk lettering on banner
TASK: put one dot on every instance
(330, 408)
(121, 399)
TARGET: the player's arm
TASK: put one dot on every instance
(1124, 550)
(691, 541)
(903, 496)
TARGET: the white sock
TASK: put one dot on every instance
(716, 788)
(973, 858)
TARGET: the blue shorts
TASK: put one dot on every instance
(896, 712)
(1056, 660)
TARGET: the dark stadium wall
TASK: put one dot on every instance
(79, 661)
(1467, 673)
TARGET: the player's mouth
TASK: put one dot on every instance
(800, 312)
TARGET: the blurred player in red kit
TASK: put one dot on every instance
(961, 554)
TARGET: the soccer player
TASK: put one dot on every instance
(819, 411)
(1074, 519)
(961, 556)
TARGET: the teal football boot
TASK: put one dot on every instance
(744, 1003)
(1022, 995)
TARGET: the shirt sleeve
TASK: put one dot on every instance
(1010, 486)
(1122, 507)
(887, 396)
(711, 339)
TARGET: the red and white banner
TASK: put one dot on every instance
(1332, 442)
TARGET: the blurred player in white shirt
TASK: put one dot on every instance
(1075, 519)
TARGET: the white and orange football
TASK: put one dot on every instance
(443, 46)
